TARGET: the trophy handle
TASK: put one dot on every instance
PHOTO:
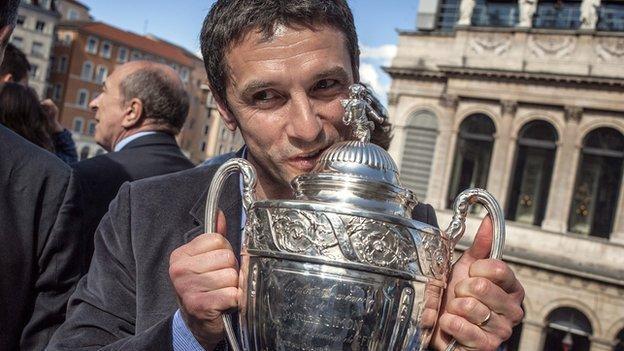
(457, 227)
(249, 180)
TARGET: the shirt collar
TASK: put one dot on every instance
(125, 141)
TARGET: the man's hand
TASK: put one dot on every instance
(52, 112)
(204, 273)
(483, 300)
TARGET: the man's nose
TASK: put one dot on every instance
(93, 105)
(304, 124)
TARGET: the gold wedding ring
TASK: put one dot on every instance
(486, 320)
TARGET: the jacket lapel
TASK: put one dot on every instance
(231, 205)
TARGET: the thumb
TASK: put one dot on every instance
(221, 225)
(482, 244)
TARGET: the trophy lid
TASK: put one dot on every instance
(357, 173)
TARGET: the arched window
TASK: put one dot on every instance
(420, 140)
(597, 183)
(87, 71)
(82, 99)
(102, 73)
(472, 155)
(535, 157)
(84, 153)
(567, 329)
(619, 341)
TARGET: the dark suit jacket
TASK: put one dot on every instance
(127, 302)
(40, 246)
(101, 176)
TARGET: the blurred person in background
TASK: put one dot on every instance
(40, 232)
(14, 68)
(21, 112)
(140, 110)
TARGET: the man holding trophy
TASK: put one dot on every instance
(279, 71)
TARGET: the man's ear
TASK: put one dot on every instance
(226, 114)
(132, 114)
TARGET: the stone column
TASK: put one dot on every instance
(617, 236)
(600, 344)
(589, 14)
(444, 153)
(564, 174)
(499, 173)
(532, 336)
(527, 11)
(398, 139)
(466, 7)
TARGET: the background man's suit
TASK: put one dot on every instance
(127, 299)
(102, 176)
(41, 242)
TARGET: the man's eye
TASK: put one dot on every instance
(326, 84)
(264, 95)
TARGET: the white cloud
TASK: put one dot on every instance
(369, 74)
(384, 53)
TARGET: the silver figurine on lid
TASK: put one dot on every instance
(343, 266)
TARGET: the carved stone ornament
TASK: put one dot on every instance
(610, 49)
(490, 43)
(509, 107)
(551, 46)
(589, 14)
(449, 100)
(573, 113)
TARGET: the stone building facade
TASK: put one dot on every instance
(34, 35)
(526, 100)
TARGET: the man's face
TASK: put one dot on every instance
(109, 110)
(284, 94)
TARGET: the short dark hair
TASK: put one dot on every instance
(229, 20)
(164, 99)
(15, 63)
(8, 12)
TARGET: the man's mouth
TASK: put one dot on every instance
(306, 161)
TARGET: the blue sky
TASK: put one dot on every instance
(180, 21)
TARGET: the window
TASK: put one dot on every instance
(92, 44)
(206, 130)
(34, 71)
(420, 139)
(67, 38)
(77, 127)
(106, 49)
(595, 196)
(620, 341)
(122, 55)
(567, 329)
(72, 15)
(203, 146)
(448, 15)
(472, 155)
(18, 42)
(57, 91)
(535, 158)
(184, 74)
(82, 99)
(102, 73)
(611, 16)
(84, 153)
(21, 19)
(91, 128)
(135, 55)
(37, 49)
(40, 26)
(87, 71)
(557, 14)
(495, 13)
(62, 66)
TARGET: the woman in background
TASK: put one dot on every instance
(21, 112)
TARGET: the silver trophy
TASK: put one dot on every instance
(343, 266)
